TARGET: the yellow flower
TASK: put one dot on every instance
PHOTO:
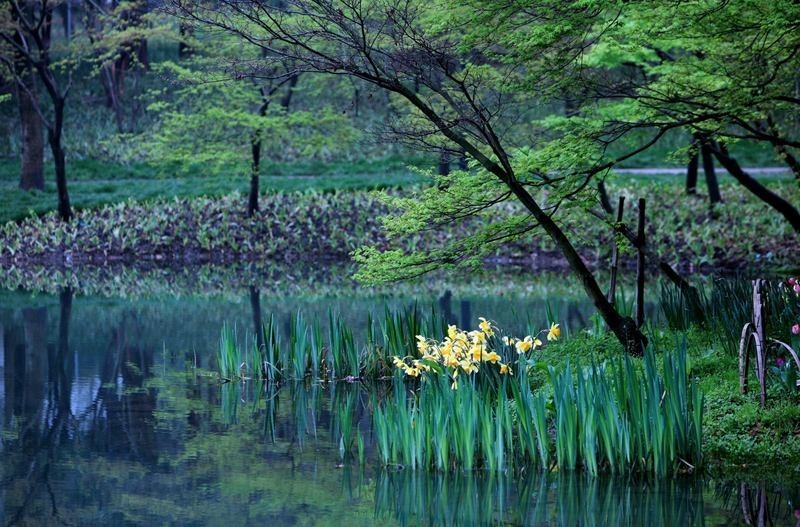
(486, 327)
(420, 366)
(398, 362)
(452, 331)
(422, 344)
(536, 343)
(554, 332)
(477, 352)
(468, 367)
(524, 345)
(431, 355)
(493, 357)
(505, 368)
(477, 337)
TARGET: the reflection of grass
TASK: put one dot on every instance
(535, 499)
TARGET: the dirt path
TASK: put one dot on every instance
(760, 171)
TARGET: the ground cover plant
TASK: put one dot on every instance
(330, 225)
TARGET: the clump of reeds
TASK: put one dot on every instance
(603, 417)
(331, 353)
(726, 308)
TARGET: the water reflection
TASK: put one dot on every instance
(109, 418)
(535, 499)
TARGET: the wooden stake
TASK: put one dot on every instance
(612, 290)
(640, 270)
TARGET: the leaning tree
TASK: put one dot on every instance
(725, 71)
(457, 91)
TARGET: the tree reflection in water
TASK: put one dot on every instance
(102, 424)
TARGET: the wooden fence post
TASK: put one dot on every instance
(612, 290)
(640, 270)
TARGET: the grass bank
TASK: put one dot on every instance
(738, 434)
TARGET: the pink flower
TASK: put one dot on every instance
(796, 329)
(796, 288)
(791, 281)
(779, 362)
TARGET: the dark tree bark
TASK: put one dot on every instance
(255, 169)
(612, 288)
(462, 162)
(605, 201)
(32, 137)
(444, 163)
(711, 176)
(54, 135)
(691, 170)
(185, 50)
(640, 268)
(66, 11)
(256, 142)
(32, 158)
(624, 328)
(786, 209)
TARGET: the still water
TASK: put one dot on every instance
(110, 414)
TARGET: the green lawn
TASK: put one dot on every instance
(93, 183)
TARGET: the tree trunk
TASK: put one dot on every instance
(612, 288)
(185, 49)
(31, 174)
(711, 176)
(463, 163)
(624, 328)
(59, 159)
(109, 79)
(786, 209)
(32, 159)
(444, 163)
(691, 171)
(640, 269)
(255, 168)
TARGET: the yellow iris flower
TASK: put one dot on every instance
(422, 344)
(452, 331)
(486, 327)
(493, 357)
(554, 332)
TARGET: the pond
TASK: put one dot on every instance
(112, 415)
